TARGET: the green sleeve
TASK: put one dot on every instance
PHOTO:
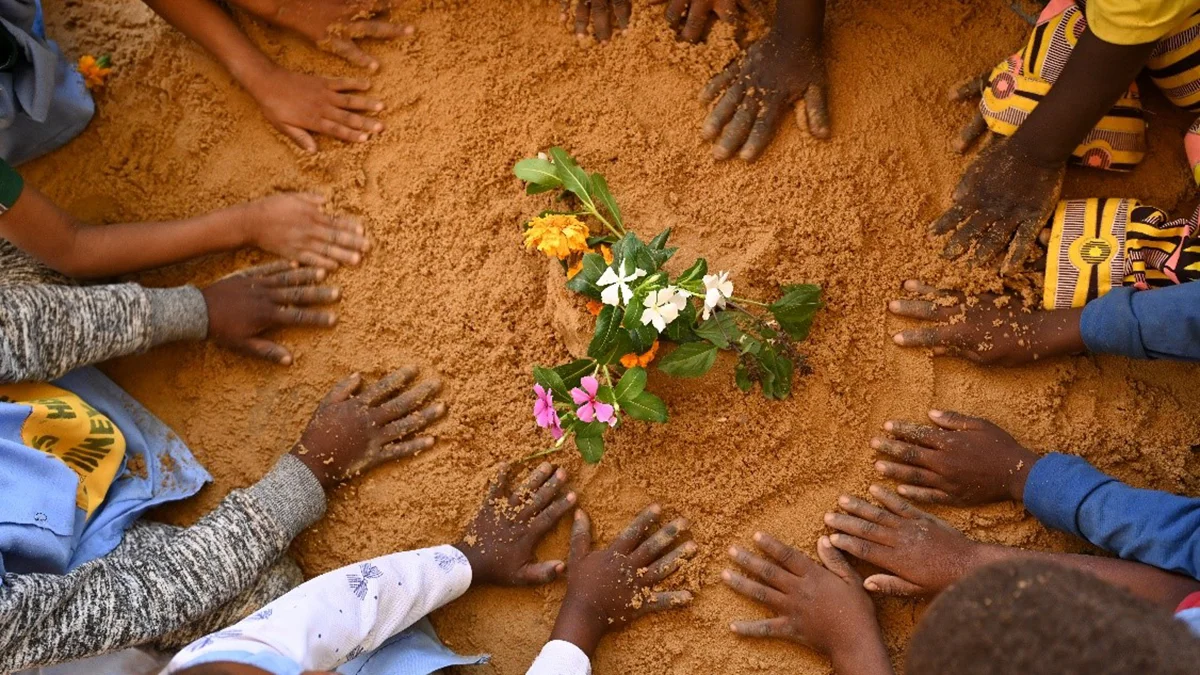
(11, 185)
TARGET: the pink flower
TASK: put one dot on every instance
(544, 412)
(590, 408)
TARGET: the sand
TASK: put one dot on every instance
(448, 286)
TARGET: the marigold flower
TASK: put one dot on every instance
(606, 251)
(557, 235)
(95, 70)
(574, 268)
(633, 360)
(594, 307)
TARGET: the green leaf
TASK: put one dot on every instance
(721, 329)
(573, 178)
(642, 338)
(610, 342)
(573, 372)
(646, 407)
(694, 274)
(633, 310)
(796, 309)
(606, 394)
(584, 283)
(552, 381)
(682, 329)
(536, 189)
(741, 377)
(692, 359)
(538, 173)
(632, 383)
(661, 256)
(591, 447)
(630, 249)
(600, 189)
(659, 242)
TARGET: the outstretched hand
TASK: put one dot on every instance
(246, 304)
(987, 329)
(694, 18)
(609, 588)
(922, 554)
(603, 15)
(299, 105)
(501, 541)
(1000, 204)
(294, 226)
(966, 461)
(760, 89)
(824, 608)
(332, 25)
(357, 428)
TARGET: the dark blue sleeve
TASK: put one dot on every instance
(1153, 527)
(1161, 323)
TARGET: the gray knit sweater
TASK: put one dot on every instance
(163, 586)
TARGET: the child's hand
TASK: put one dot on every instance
(824, 608)
(923, 553)
(601, 13)
(987, 329)
(609, 588)
(1004, 197)
(760, 89)
(965, 461)
(354, 431)
(299, 105)
(694, 18)
(501, 542)
(332, 25)
(294, 226)
(243, 306)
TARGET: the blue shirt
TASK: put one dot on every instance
(1160, 323)
(1150, 526)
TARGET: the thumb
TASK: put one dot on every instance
(581, 537)
(888, 584)
(262, 349)
(835, 561)
(536, 574)
(956, 421)
(343, 389)
(300, 137)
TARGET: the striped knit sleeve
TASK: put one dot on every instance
(48, 330)
(121, 601)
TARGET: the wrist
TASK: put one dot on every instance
(314, 464)
(863, 654)
(479, 575)
(1059, 332)
(1020, 476)
(580, 624)
(1028, 150)
(254, 72)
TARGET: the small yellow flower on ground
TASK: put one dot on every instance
(575, 268)
(95, 70)
(606, 251)
(557, 235)
(640, 360)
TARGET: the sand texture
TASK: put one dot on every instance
(449, 287)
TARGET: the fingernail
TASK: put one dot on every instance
(732, 551)
(320, 274)
(894, 306)
(823, 541)
(887, 426)
(936, 413)
(726, 575)
(287, 361)
(561, 474)
(902, 489)
(362, 138)
(875, 443)
(758, 536)
(872, 586)
(828, 519)
(571, 497)
(898, 338)
(335, 293)
(655, 508)
(844, 500)
(733, 627)
(579, 515)
(874, 489)
(880, 466)
(691, 547)
(377, 128)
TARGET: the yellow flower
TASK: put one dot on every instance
(632, 360)
(556, 235)
(606, 251)
(95, 70)
(575, 268)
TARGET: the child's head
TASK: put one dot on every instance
(1035, 618)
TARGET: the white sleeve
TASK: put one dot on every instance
(560, 657)
(333, 618)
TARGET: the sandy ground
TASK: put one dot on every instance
(449, 287)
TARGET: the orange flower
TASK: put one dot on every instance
(95, 70)
(557, 235)
(594, 307)
(632, 360)
(574, 268)
(606, 251)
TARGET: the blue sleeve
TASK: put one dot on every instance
(1153, 527)
(1161, 323)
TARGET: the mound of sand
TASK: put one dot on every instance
(449, 287)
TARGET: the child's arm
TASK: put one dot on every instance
(610, 588)
(1159, 323)
(292, 225)
(294, 103)
(824, 608)
(354, 610)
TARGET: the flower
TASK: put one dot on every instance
(663, 307)
(717, 289)
(606, 251)
(574, 268)
(594, 307)
(589, 407)
(557, 235)
(95, 70)
(634, 360)
(618, 290)
(544, 412)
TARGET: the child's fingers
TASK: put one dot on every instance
(403, 449)
(836, 562)
(969, 133)
(675, 11)
(342, 132)
(792, 560)
(343, 237)
(753, 590)
(756, 7)
(874, 553)
(995, 237)
(264, 349)
(894, 503)
(925, 494)
(948, 419)
(313, 260)
(665, 600)
(498, 486)
(348, 84)
(407, 402)
(862, 529)
(668, 564)
(353, 120)
(300, 137)
(377, 30)
(601, 25)
(622, 10)
(410, 424)
(950, 219)
(903, 473)
(302, 276)
(269, 271)
(923, 309)
(582, 11)
(343, 390)
(384, 387)
(867, 511)
(633, 534)
(816, 111)
(581, 537)
(738, 130)
(340, 254)
(300, 316)
(889, 584)
(905, 452)
(544, 494)
(532, 482)
(1022, 242)
(777, 627)
(536, 574)
(348, 223)
(658, 543)
(306, 295)
(355, 102)
(724, 111)
(765, 128)
(697, 20)
(351, 52)
(931, 336)
(917, 434)
(719, 82)
(547, 519)
(771, 574)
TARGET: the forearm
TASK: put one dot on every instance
(213, 29)
(866, 655)
(113, 250)
(578, 626)
(1094, 78)
(117, 602)
(1160, 323)
(47, 331)
(1054, 332)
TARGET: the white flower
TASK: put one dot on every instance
(542, 156)
(717, 289)
(663, 307)
(618, 290)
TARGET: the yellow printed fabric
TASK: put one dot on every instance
(1016, 86)
(1137, 22)
(1175, 64)
(63, 425)
(1099, 244)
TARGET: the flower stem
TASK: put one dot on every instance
(548, 451)
(748, 301)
